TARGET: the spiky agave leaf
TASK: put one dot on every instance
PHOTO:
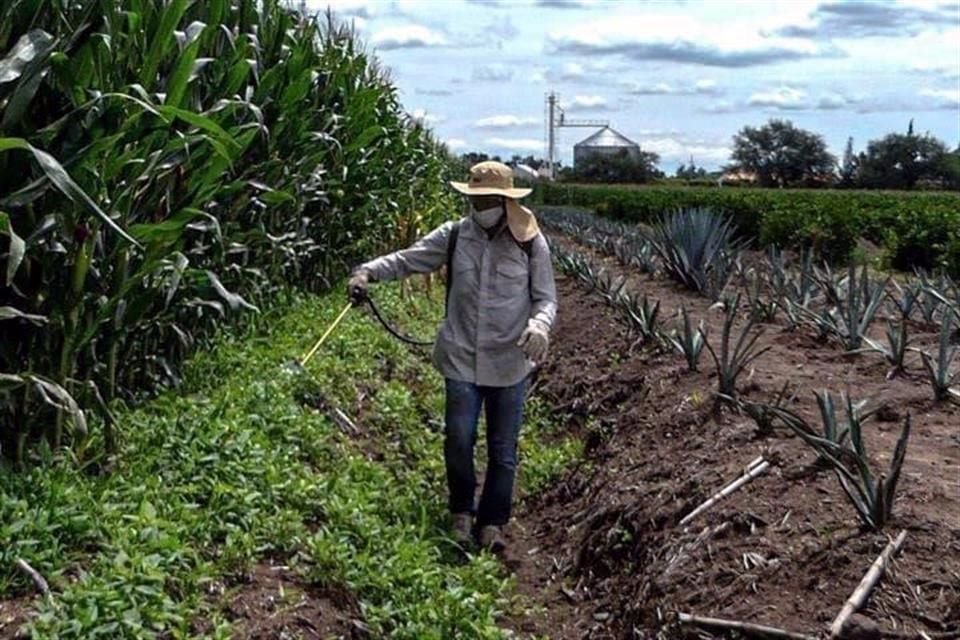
(697, 248)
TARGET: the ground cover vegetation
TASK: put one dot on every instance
(240, 466)
(165, 169)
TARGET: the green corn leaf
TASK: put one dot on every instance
(228, 146)
(161, 40)
(25, 62)
(52, 394)
(11, 313)
(232, 299)
(180, 78)
(59, 176)
(17, 247)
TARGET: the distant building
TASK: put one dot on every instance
(525, 172)
(738, 176)
(606, 142)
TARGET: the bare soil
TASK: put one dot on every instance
(13, 615)
(274, 603)
(602, 554)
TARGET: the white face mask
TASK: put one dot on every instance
(488, 217)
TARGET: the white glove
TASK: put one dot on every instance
(535, 340)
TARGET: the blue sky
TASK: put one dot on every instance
(680, 77)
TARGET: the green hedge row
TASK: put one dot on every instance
(913, 229)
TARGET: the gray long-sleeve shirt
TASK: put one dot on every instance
(496, 290)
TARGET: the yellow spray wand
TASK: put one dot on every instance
(309, 354)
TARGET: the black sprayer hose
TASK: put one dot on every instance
(392, 330)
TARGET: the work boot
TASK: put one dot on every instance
(491, 539)
(463, 529)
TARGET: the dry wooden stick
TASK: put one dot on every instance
(862, 592)
(34, 575)
(753, 470)
(747, 628)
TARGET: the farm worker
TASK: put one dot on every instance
(501, 304)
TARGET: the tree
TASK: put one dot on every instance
(782, 155)
(849, 167)
(619, 167)
(898, 161)
(692, 172)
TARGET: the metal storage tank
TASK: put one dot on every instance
(606, 142)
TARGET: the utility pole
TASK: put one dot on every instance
(551, 131)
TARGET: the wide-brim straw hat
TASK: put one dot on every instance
(496, 179)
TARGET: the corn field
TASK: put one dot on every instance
(166, 169)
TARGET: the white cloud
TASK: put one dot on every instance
(505, 121)
(707, 86)
(572, 71)
(669, 148)
(345, 8)
(455, 143)
(659, 89)
(948, 97)
(676, 38)
(701, 87)
(586, 102)
(427, 118)
(492, 73)
(949, 72)
(781, 98)
(515, 144)
(407, 37)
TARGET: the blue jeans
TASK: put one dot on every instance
(504, 407)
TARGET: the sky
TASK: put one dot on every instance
(679, 77)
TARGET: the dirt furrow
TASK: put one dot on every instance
(602, 554)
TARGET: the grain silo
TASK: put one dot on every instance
(605, 142)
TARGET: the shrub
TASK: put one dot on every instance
(913, 229)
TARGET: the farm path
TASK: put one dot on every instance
(602, 555)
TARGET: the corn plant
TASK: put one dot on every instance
(938, 368)
(641, 315)
(697, 248)
(872, 497)
(166, 169)
(689, 341)
(735, 356)
(854, 308)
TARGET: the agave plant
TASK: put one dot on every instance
(904, 298)
(939, 368)
(854, 309)
(793, 290)
(763, 308)
(895, 349)
(871, 496)
(689, 341)
(932, 298)
(641, 315)
(762, 413)
(697, 248)
(734, 356)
